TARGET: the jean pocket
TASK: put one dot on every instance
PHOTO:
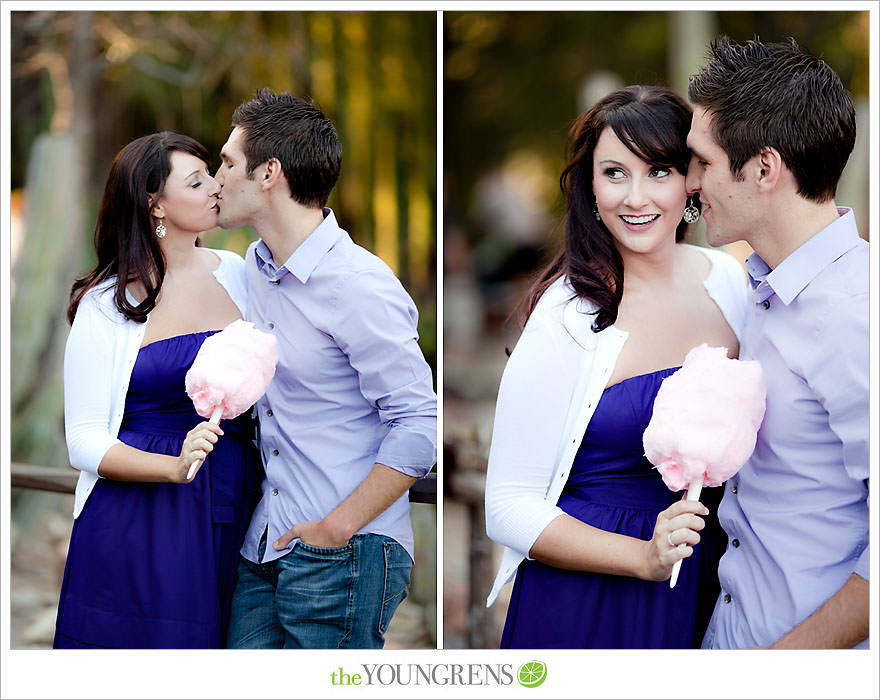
(398, 567)
(314, 595)
(330, 552)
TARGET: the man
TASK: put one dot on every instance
(771, 132)
(349, 421)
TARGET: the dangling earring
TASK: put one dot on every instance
(691, 213)
(596, 211)
(160, 230)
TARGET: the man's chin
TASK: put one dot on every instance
(715, 238)
(713, 241)
(226, 223)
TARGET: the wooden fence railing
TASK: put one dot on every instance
(464, 480)
(30, 476)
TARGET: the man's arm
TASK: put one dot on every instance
(841, 623)
(374, 324)
(375, 494)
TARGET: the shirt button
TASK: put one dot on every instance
(274, 492)
(275, 453)
(734, 488)
(274, 281)
(766, 303)
(271, 325)
(735, 542)
(727, 597)
(268, 411)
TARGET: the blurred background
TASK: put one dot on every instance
(83, 84)
(513, 84)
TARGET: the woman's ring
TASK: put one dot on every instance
(669, 539)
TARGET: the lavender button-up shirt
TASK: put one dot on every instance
(351, 389)
(796, 514)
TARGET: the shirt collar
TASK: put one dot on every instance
(794, 273)
(305, 258)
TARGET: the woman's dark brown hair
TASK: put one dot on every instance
(125, 239)
(653, 122)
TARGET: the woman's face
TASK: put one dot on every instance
(189, 201)
(640, 204)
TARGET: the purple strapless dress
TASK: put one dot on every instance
(612, 486)
(153, 565)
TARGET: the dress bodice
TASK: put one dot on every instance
(610, 465)
(157, 401)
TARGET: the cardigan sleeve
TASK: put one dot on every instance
(89, 384)
(729, 287)
(232, 275)
(530, 415)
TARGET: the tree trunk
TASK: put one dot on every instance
(51, 256)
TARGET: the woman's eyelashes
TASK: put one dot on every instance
(656, 172)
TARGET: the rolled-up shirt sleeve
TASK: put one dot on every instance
(375, 326)
(863, 563)
(88, 386)
(840, 380)
(525, 438)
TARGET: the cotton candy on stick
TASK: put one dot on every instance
(232, 370)
(705, 422)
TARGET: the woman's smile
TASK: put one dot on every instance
(640, 222)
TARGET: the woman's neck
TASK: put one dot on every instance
(650, 270)
(180, 254)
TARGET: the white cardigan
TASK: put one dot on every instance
(98, 360)
(535, 438)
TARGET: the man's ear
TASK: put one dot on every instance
(768, 166)
(272, 174)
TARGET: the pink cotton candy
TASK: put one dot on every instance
(706, 417)
(232, 370)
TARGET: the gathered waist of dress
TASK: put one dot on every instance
(632, 492)
(178, 424)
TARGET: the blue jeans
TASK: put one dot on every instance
(320, 598)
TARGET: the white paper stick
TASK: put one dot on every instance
(215, 419)
(693, 494)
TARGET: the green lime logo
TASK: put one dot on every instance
(532, 673)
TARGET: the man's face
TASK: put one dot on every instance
(240, 195)
(728, 205)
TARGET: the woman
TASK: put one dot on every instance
(152, 555)
(587, 522)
